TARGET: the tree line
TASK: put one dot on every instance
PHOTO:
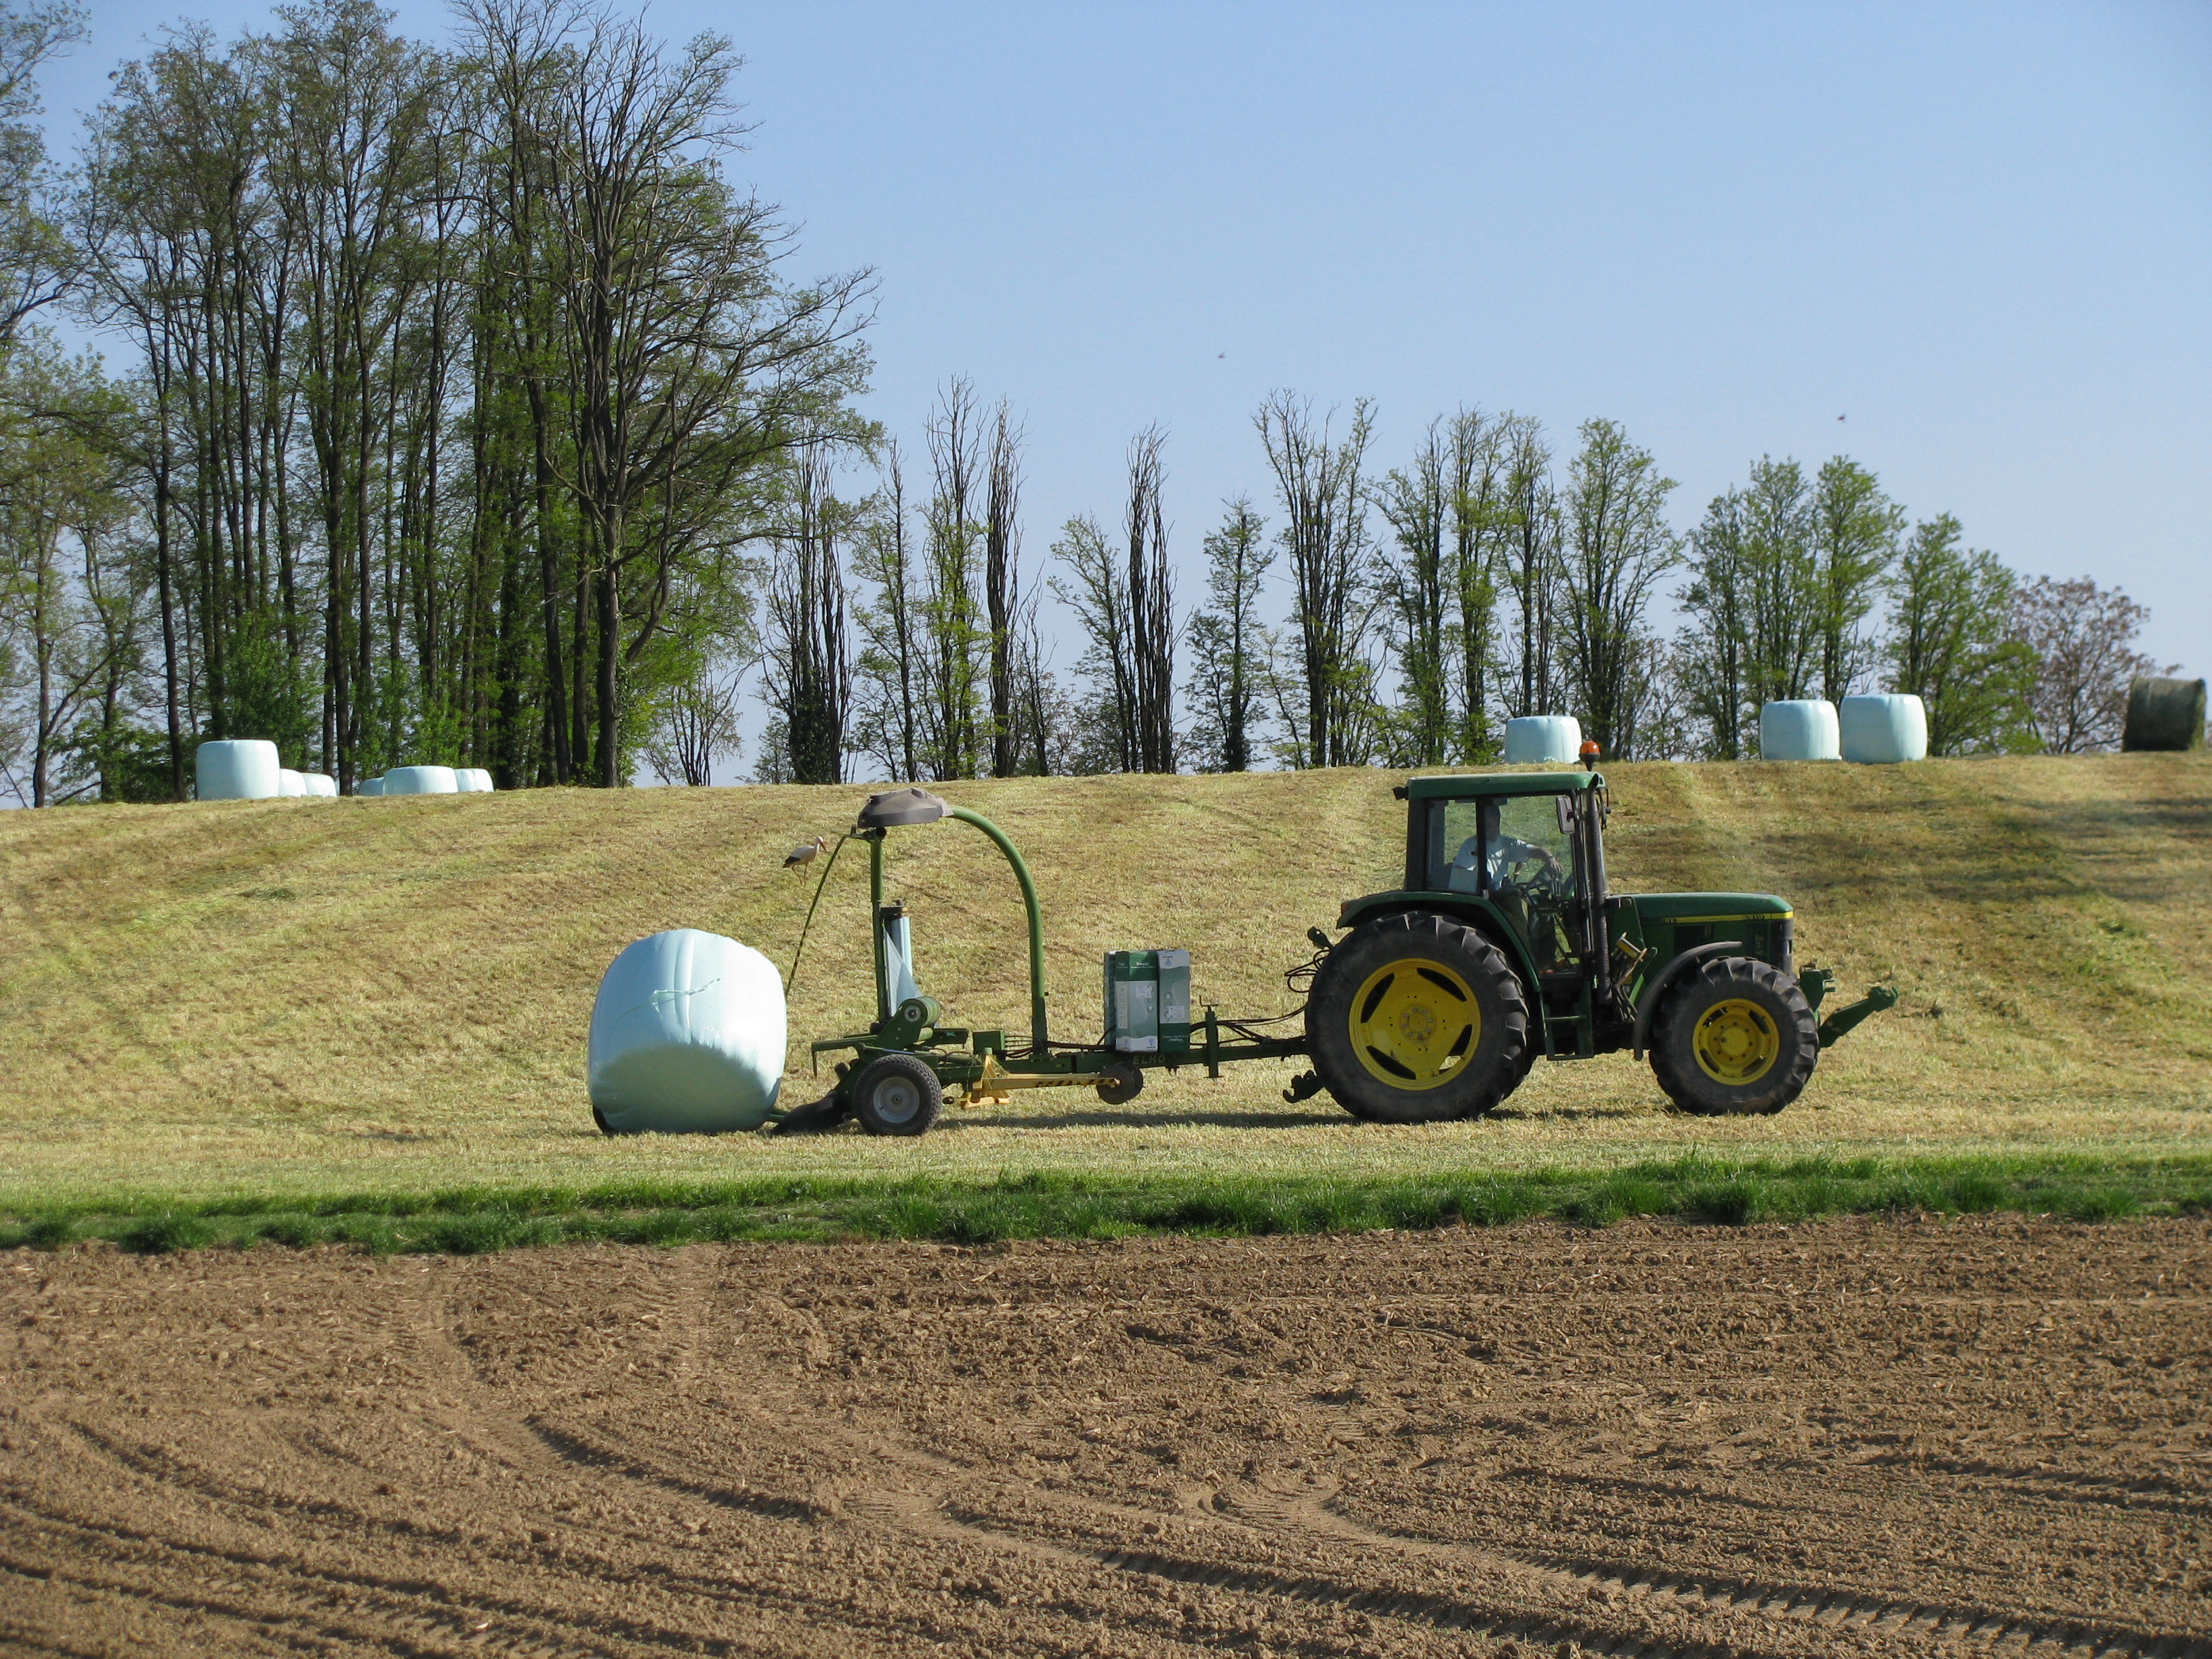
(1364, 615)
(466, 413)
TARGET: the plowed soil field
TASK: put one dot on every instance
(1858, 1437)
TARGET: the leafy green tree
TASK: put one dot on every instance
(1855, 529)
(1228, 652)
(37, 264)
(1712, 668)
(69, 617)
(1618, 548)
(1419, 504)
(1779, 582)
(1951, 646)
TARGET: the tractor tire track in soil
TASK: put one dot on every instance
(1977, 1437)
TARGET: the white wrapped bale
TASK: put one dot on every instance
(419, 780)
(688, 1037)
(236, 769)
(1799, 729)
(289, 784)
(472, 780)
(483, 781)
(1883, 730)
(1543, 739)
(320, 784)
(368, 786)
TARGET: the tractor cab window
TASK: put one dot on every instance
(1504, 846)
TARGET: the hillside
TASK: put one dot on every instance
(369, 994)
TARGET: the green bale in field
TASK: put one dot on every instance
(2164, 714)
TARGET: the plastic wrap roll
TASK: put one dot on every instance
(1539, 740)
(419, 780)
(688, 1037)
(1883, 730)
(1799, 729)
(2164, 714)
(237, 768)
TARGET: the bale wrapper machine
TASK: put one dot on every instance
(1502, 944)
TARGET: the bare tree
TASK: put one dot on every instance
(698, 721)
(951, 617)
(1418, 503)
(1529, 678)
(1325, 533)
(1151, 606)
(1098, 594)
(889, 707)
(2083, 638)
(1002, 583)
(806, 651)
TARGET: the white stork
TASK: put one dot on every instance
(807, 854)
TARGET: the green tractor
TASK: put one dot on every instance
(1504, 944)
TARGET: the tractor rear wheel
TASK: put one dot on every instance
(897, 1095)
(1733, 1035)
(1417, 1018)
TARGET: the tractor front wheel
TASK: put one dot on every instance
(897, 1095)
(1417, 1018)
(1733, 1035)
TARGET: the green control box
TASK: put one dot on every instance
(1148, 1002)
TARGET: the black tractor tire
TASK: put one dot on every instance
(1417, 1018)
(897, 1095)
(1734, 1037)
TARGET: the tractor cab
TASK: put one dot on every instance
(1532, 855)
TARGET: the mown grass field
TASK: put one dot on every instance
(274, 1004)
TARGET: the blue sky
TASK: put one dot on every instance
(1982, 234)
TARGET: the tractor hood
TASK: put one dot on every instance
(1710, 907)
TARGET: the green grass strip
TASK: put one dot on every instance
(1698, 1190)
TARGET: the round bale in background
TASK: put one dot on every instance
(320, 784)
(2164, 714)
(1541, 739)
(419, 780)
(688, 1037)
(1799, 729)
(289, 783)
(472, 780)
(1883, 730)
(237, 768)
(368, 785)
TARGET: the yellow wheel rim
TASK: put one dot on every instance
(1736, 1042)
(1414, 1024)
